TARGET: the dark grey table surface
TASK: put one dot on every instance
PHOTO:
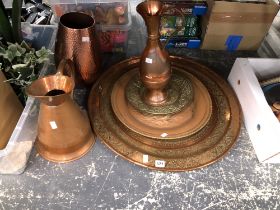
(103, 180)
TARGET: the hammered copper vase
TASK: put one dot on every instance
(76, 41)
(64, 132)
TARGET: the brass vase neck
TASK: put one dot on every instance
(151, 12)
(153, 24)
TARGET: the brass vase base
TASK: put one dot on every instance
(198, 133)
(179, 94)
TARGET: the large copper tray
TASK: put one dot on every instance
(197, 150)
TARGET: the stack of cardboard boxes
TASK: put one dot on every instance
(235, 25)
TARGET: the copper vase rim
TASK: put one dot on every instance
(147, 5)
(70, 19)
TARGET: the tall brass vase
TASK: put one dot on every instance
(76, 41)
(155, 70)
(64, 132)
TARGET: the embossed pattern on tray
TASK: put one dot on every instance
(195, 151)
(180, 94)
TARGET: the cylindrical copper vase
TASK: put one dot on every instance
(76, 41)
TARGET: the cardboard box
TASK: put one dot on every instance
(236, 26)
(10, 111)
(262, 125)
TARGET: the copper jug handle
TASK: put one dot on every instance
(66, 68)
(166, 7)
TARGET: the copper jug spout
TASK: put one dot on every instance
(64, 132)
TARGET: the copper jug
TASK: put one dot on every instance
(76, 41)
(64, 132)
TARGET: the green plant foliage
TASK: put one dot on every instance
(21, 65)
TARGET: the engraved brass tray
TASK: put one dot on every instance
(210, 142)
(165, 125)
